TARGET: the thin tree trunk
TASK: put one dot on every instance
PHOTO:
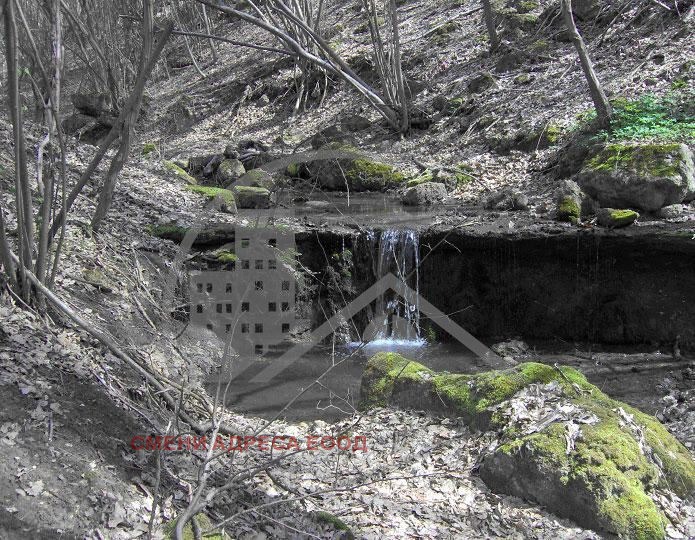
(398, 70)
(132, 109)
(604, 111)
(52, 124)
(213, 47)
(489, 16)
(25, 212)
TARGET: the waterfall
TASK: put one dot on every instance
(397, 251)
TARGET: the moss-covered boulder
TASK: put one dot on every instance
(615, 219)
(562, 442)
(223, 196)
(252, 197)
(178, 172)
(345, 168)
(258, 178)
(646, 176)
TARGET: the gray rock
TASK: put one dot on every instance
(644, 176)
(425, 194)
(251, 197)
(229, 171)
(671, 211)
(506, 199)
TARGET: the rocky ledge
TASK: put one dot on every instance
(562, 442)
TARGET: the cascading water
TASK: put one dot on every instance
(397, 251)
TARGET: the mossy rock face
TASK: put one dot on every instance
(643, 176)
(349, 170)
(252, 197)
(569, 209)
(614, 219)
(179, 172)
(226, 197)
(603, 478)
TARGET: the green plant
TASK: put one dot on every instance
(670, 117)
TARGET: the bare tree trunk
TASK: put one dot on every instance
(489, 16)
(130, 112)
(604, 111)
(398, 69)
(213, 47)
(25, 211)
(52, 125)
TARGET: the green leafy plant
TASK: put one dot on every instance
(661, 118)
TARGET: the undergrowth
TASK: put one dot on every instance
(670, 117)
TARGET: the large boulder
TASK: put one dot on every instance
(345, 168)
(251, 197)
(425, 194)
(643, 176)
(561, 441)
(568, 198)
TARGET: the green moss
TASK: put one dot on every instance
(204, 524)
(179, 172)
(657, 160)
(606, 471)
(373, 175)
(540, 46)
(293, 170)
(337, 523)
(568, 209)
(622, 216)
(553, 132)
(213, 192)
(426, 176)
(526, 6)
(226, 256)
(168, 231)
(148, 148)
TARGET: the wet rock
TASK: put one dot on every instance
(514, 347)
(251, 197)
(644, 176)
(615, 219)
(561, 441)
(229, 171)
(589, 206)
(506, 199)
(481, 82)
(425, 194)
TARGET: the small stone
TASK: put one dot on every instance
(425, 194)
(614, 219)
